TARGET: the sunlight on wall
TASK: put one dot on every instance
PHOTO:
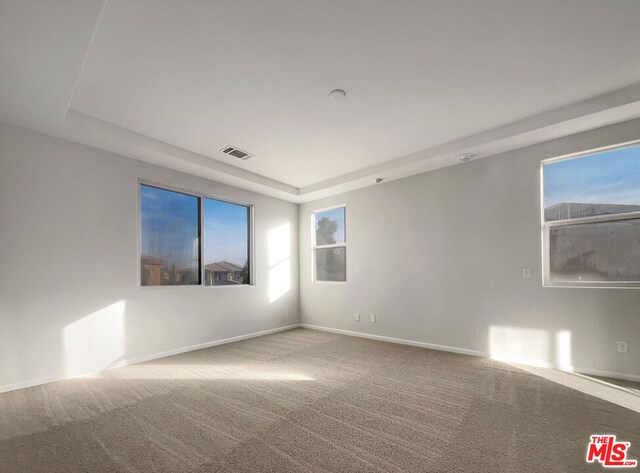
(535, 347)
(520, 345)
(531, 350)
(95, 341)
(279, 240)
(563, 350)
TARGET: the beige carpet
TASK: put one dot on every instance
(307, 401)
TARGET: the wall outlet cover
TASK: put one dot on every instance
(623, 346)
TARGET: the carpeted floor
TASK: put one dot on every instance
(307, 401)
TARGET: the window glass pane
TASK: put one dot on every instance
(169, 238)
(226, 243)
(331, 264)
(605, 251)
(598, 184)
(330, 227)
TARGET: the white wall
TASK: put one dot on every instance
(69, 296)
(438, 258)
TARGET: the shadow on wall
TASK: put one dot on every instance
(279, 240)
(96, 341)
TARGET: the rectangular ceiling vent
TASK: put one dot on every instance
(236, 153)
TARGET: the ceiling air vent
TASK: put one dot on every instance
(236, 153)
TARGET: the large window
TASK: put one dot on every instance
(176, 228)
(329, 245)
(591, 219)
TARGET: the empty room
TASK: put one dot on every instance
(319, 236)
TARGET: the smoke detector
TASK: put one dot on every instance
(237, 153)
(463, 158)
(337, 94)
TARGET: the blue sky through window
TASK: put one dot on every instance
(336, 215)
(610, 177)
(226, 232)
(169, 226)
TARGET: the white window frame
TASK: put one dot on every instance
(546, 226)
(315, 247)
(201, 196)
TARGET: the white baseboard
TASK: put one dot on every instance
(142, 359)
(483, 354)
(31, 382)
(401, 341)
(606, 374)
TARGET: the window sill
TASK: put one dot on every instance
(592, 285)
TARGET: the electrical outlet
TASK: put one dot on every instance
(356, 317)
(286, 312)
(623, 346)
(372, 318)
(526, 273)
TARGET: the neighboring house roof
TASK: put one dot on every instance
(222, 266)
(151, 260)
(567, 210)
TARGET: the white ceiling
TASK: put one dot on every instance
(173, 82)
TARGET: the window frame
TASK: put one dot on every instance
(201, 236)
(315, 247)
(547, 225)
